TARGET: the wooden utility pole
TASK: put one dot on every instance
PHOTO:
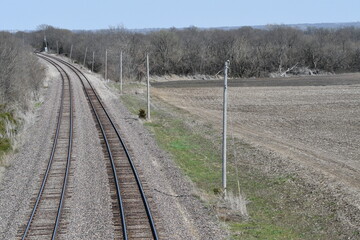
(57, 47)
(92, 65)
(121, 73)
(85, 56)
(224, 127)
(148, 86)
(71, 49)
(105, 64)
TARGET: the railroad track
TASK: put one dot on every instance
(132, 216)
(44, 220)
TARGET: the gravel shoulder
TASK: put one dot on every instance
(21, 179)
(315, 136)
(178, 211)
(89, 214)
(87, 207)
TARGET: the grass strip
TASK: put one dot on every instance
(280, 206)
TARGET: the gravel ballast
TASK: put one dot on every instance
(180, 213)
(88, 213)
(21, 179)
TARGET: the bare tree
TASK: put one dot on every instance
(253, 52)
(20, 72)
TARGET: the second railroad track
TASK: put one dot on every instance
(132, 216)
(44, 219)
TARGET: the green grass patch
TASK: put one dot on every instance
(127, 87)
(5, 145)
(5, 142)
(280, 206)
(134, 103)
(5, 118)
(254, 230)
(37, 105)
(189, 149)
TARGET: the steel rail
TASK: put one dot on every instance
(142, 193)
(43, 183)
(117, 185)
(57, 221)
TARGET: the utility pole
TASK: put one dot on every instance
(148, 86)
(46, 45)
(227, 63)
(57, 47)
(121, 73)
(92, 65)
(85, 56)
(71, 49)
(105, 64)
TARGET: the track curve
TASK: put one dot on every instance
(132, 215)
(45, 216)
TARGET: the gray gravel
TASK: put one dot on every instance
(179, 213)
(22, 179)
(90, 215)
(88, 211)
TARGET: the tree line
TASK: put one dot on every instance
(190, 51)
(21, 74)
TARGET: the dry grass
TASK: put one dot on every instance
(237, 203)
(13, 123)
(288, 138)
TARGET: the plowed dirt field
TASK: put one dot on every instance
(314, 122)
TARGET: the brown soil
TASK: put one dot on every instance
(323, 80)
(313, 127)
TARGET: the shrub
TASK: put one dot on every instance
(142, 113)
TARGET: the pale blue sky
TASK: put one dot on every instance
(100, 14)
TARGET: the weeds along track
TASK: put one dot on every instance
(45, 218)
(131, 211)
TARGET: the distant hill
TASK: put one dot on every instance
(302, 26)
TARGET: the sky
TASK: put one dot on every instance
(138, 14)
